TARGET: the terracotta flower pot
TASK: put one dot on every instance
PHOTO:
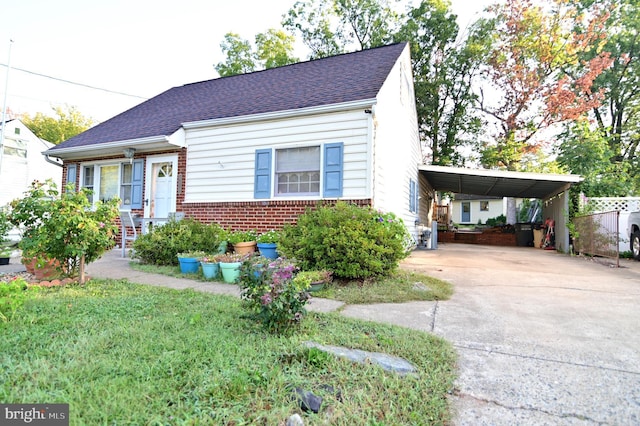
(245, 247)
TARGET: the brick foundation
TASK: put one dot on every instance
(485, 238)
(257, 215)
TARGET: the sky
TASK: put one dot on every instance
(137, 48)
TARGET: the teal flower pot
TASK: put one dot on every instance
(210, 270)
(268, 250)
(189, 265)
(230, 271)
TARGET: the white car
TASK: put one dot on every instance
(633, 231)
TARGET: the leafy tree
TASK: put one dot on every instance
(586, 152)
(274, 48)
(444, 70)
(617, 119)
(69, 123)
(331, 27)
(535, 65)
(240, 56)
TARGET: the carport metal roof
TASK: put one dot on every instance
(497, 183)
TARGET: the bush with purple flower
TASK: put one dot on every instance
(270, 291)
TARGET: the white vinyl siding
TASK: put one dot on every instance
(23, 162)
(221, 159)
(397, 151)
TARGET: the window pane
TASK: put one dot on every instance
(298, 171)
(88, 177)
(127, 172)
(125, 195)
(108, 182)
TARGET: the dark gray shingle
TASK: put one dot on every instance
(343, 78)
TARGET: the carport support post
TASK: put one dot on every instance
(511, 211)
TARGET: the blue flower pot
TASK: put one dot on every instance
(210, 270)
(268, 250)
(189, 265)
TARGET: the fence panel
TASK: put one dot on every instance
(597, 235)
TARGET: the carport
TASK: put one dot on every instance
(552, 189)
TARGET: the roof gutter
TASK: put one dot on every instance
(323, 109)
(107, 146)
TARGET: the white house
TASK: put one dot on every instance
(22, 161)
(255, 150)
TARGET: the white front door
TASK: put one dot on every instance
(161, 186)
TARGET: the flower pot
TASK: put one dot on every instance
(189, 265)
(268, 250)
(46, 270)
(230, 271)
(210, 270)
(245, 247)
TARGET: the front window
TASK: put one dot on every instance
(108, 181)
(298, 171)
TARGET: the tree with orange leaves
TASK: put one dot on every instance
(535, 67)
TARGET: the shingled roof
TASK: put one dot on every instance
(336, 79)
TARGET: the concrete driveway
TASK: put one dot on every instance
(543, 338)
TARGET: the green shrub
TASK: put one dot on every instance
(64, 225)
(13, 294)
(497, 221)
(163, 243)
(353, 242)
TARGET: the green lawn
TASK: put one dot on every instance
(127, 354)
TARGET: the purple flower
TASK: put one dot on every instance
(266, 299)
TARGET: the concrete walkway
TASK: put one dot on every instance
(542, 338)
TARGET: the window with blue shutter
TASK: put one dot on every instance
(137, 175)
(332, 170)
(262, 182)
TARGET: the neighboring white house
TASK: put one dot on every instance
(22, 162)
(256, 150)
(469, 209)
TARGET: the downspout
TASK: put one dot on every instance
(49, 160)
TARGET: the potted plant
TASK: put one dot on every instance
(210, 266)
(190, 261)
(268, 243)
(243, 241)
(230, 265)
(317, 278)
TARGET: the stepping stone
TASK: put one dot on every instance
(387, 362)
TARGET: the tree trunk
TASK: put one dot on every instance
(82, 270)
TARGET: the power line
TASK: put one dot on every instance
(74, 83)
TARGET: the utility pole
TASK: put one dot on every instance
(4, 107)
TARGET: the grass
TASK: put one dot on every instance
(398, 288)
(401, 287)
(121, 353)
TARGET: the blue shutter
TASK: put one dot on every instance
(72, 170)
(137, 175)
(332, 170)
(262, 182)
(412, 195)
